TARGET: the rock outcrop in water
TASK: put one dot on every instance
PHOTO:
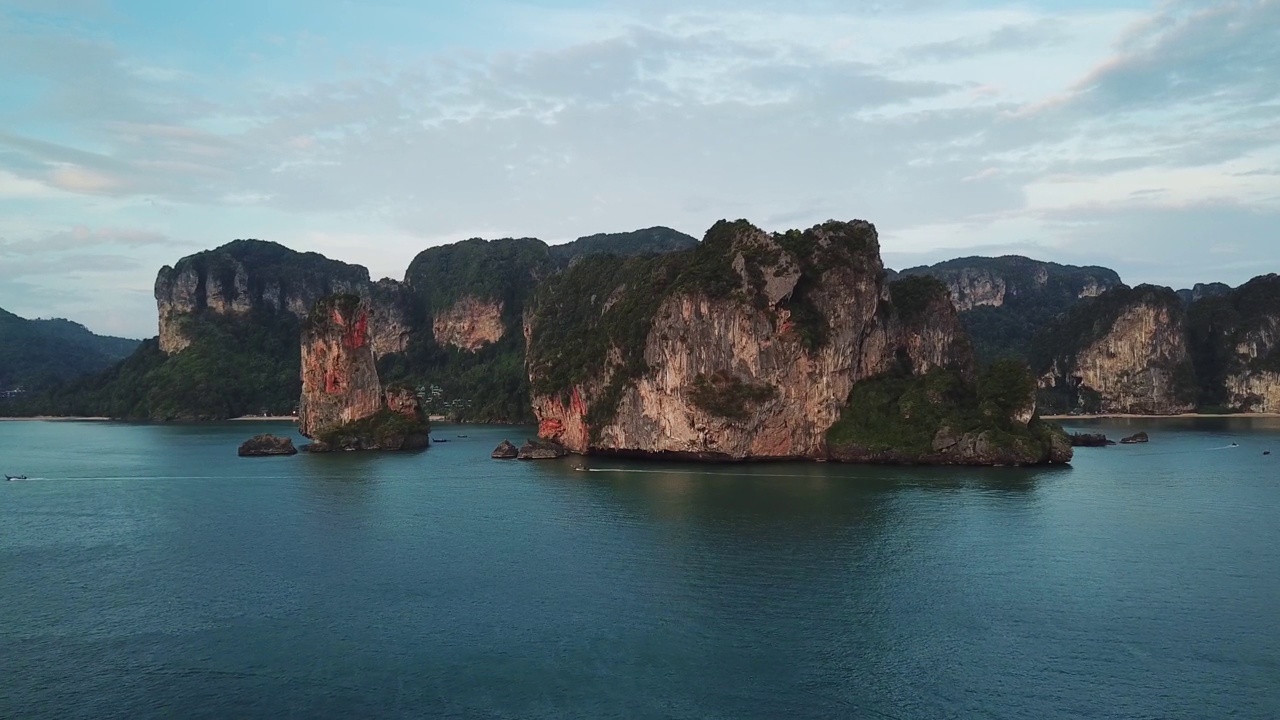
(541, 450)
(505, 451)
(747, 347)
(266, 445)
(1126, 351)
(1090, 440)
(343, 405)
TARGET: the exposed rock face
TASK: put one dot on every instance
(344, 406)
(1236, 342)
(1135, 439)
(266, 445)
(756, 362)
(247, 276)
(694, 335)
(506, 451)
(971, 288)
(1132, 366)
(1125, 352)
(339, 376)
(992, 282)
(1254, 384)
(1200, 291)
(1254, 391)
(391, 317)
(469, 324)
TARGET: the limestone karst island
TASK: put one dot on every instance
(746, 345)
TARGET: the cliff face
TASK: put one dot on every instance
(747, 347)
(1200, 291)
(343, 404)
(1125, 352)
(1235, 338)
(339, 377)
(247, 276)
(1004, 301)
(469, 324)
(992, 282)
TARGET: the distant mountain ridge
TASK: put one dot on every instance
(1203, 290)
(35, 354)
(456, 328)
(1004, 300)
(230, 317)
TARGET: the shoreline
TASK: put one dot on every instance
(1179, 416)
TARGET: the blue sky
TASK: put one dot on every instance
(1142, 136)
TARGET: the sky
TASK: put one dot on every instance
(1142, 136)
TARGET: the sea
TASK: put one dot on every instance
(146, 571)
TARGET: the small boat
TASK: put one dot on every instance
(11, 478)
(1235, 444)
(439, 440)
(462, 436)
(580, 468)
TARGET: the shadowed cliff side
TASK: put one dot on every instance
(1126, 351)
(1005, 301)
(1235, 341)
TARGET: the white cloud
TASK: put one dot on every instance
(951, 127)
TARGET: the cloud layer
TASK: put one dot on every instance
(1144, 138)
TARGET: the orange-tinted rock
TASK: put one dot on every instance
(339, 377)
(469, 324)
(750, 337)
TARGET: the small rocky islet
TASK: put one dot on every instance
(267, 445)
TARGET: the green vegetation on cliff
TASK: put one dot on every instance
(1060, 341)
(1034, 292)
(728, 396)
(236, 365)
(602, 305)
(384, 429)
(912, 296)
(38, 354)
(270, 268)
(650, 241)
(491, 384)
(898, 417)
(1218, 324)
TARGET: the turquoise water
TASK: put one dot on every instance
(149, 572)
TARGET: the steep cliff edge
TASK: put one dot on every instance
(1202, 291)
(747, 347)
(1004, 301)
(1235, 340)
(1126, 351)
(343, 404)
(247, 277)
